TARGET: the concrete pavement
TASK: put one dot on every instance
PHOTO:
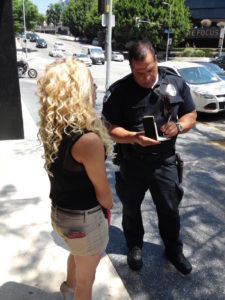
(33, 259)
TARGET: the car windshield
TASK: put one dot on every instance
(198, 75)
(96, 50)
(214, 68)
(41, 40)
(82, 55)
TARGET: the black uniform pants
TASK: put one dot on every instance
(160, 176)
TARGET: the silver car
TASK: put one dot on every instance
(117, 56)
(84, 58)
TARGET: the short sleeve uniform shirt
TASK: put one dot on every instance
(126, 103)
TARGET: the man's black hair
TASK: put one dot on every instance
(138, 50)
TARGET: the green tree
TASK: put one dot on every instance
(41, 19)
(53, 14)
(31, 14)
(82, 18)
(154, 19)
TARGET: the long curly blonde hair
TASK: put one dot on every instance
(66, 96)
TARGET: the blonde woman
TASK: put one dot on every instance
(75, 146)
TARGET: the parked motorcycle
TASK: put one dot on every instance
(23, 67)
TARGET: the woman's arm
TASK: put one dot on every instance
(89, 151)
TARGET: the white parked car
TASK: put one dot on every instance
(207, 89)
(117, 56)
(56, 53)
(59, 46)
(84, 58)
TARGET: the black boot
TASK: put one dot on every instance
(180, 262)
(134, 258)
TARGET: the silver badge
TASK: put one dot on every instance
(170, 90)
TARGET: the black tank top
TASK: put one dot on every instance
(71, 188)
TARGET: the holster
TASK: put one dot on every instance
(121, 152)
(118, 154)
(180, 167)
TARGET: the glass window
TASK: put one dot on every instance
(198, 75)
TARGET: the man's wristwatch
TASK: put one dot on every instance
(179, 127)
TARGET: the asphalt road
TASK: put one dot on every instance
(202, 209)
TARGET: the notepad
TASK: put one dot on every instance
(151, 130)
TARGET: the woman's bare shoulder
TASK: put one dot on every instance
(87, 145)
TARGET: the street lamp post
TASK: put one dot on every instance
(168, 33)
(25, 31)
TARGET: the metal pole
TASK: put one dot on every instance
(222, 39)
(168, 33)
(108, 43)
(25, 31)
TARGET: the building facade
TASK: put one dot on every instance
(208, 19)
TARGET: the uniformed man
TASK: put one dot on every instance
(146, 163)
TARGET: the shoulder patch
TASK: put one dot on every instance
(106, 97)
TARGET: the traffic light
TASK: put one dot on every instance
(102, 6)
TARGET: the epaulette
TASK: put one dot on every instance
(167, 71)
(113, 87)
(118, 82)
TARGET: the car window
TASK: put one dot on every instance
(96, 50)
(214, 68)
(198, 75)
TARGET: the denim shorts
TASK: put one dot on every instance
(84, 231)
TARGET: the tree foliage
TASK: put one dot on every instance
(53, 13)
(154, 17)
(31, 15)
(41, 19)
(82, 18)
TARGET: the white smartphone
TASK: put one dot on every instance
(151, 129)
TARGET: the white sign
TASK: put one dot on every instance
(105, 20)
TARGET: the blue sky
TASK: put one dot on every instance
(43, 4)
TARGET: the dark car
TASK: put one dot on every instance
(41, 43)
(34, 37)
(220, 61)
(213, 68)
(28, 35)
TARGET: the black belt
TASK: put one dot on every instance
(69, 212)
(151, 156)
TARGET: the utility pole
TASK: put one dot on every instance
(25, 31)
(108, 41)
(222, 31)
(168, 33)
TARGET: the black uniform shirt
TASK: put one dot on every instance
(126, 103)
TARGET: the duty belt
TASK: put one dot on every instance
(152, 156)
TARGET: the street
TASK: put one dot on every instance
(38, 58)
(202, 209)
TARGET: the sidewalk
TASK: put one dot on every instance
(32, 265)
